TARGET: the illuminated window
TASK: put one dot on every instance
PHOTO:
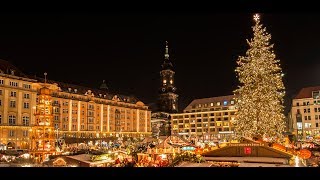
(307, 125)
(232, 102)
(211, 104)
(1, 81)
(164, 81)
(218, 103)
(225, 103)
(171, 81)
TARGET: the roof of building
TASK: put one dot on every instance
(306, 92)
(66, 87)
(210, 100)
(7, 68)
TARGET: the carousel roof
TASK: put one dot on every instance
(172, 141)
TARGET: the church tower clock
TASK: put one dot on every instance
(168, 99)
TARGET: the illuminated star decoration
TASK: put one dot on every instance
(256, 17)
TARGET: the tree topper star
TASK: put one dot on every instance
(256, 17)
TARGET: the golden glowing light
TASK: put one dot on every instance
(261, 91)
(256, 17)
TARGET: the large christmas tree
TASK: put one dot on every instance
(261, 91)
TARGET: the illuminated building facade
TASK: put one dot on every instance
(305, 113)
(77, 112)
(17, 97)
(207, 118)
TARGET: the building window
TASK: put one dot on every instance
(12, 120)
(90, 119)
(305, 118)
(13, 94)
(307, 125)
(26, 96)
(90, 127)
(90, 113)
(0, 91)
(0, 118)
(25, 120)
(299, 125)
(64, 126)
(1, 81)
(56, 126)
(74, 127)
(56, 110)
(309, 117)
(56, 118)
(232, 102)
(225, 103)
(26, 105)
(317, 124)
(12, 104)
(316, 117)
(25, 133)
(27, 86)
(82, 127)
(14, 84)
(11, 133)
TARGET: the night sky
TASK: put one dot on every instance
(127, 49)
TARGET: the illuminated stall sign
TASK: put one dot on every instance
(188, 148)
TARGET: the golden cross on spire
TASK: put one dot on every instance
(256, 17)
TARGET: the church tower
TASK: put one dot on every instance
(168, 99)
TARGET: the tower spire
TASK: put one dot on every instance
(166, 55)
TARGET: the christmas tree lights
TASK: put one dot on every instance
(261, 90)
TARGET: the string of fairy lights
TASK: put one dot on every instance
(261, 91)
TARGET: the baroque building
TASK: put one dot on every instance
(168, 99)
(206, 119)
(77, 112)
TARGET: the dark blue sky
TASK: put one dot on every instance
(126, 49)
